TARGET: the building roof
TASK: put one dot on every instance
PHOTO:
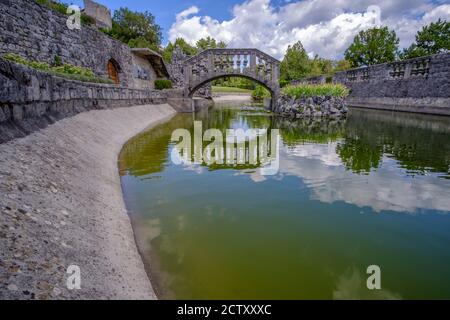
(155, 59)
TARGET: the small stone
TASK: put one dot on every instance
(334, 110)
(45, 286)
(12, 287)
(57, 291)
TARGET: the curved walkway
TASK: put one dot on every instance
(61, 204)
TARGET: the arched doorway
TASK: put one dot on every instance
(113, 71)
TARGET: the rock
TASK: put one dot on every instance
(12, 287)
(320, 106)
(56, 291)
(333, 110)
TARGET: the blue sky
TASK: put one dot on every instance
(325, 27)
(166, 10)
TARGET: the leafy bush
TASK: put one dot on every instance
(161, 84)
(87, 20)
(311, 90)
(260, 93)
(67, 71)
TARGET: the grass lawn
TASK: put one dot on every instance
(230, 90)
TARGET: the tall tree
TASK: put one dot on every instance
(180, 42)
(136, 28)
(373, 46)
(209, 43)
(432, 39)
(320, 66)
(295, 64)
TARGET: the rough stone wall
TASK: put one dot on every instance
(30, 99)
(39, 33)
(101, 14)
(313, 107)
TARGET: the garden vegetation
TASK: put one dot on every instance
(314, 90)
(66, 71)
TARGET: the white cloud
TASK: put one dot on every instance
(323, 27)
(187, 12)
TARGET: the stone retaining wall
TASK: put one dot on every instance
(30, 99)
(418, 85)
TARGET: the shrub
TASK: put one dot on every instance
(67, 71)
(260, 93)
(87, 20)
(161, 84)
(311, 90)
(57, 62)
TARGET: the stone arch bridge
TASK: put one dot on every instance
(213, 64)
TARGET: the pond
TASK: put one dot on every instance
(371, 190)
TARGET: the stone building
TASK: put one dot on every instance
(148, 66)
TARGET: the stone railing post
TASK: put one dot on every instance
(253, 63)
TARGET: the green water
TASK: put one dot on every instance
(372, 190)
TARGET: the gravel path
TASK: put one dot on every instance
(61, 204)
(233, 97)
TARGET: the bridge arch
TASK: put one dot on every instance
(237, 75)
(213, 64)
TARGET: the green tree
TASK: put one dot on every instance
(136, 28)
(320, 66)
(210, 43)
(180, 42)
(342, 65)
(295, 64)
(373, 46)
(432, 39)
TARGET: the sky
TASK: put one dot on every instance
(325, 27)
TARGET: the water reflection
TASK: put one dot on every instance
(369, 160)
(309, 231)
